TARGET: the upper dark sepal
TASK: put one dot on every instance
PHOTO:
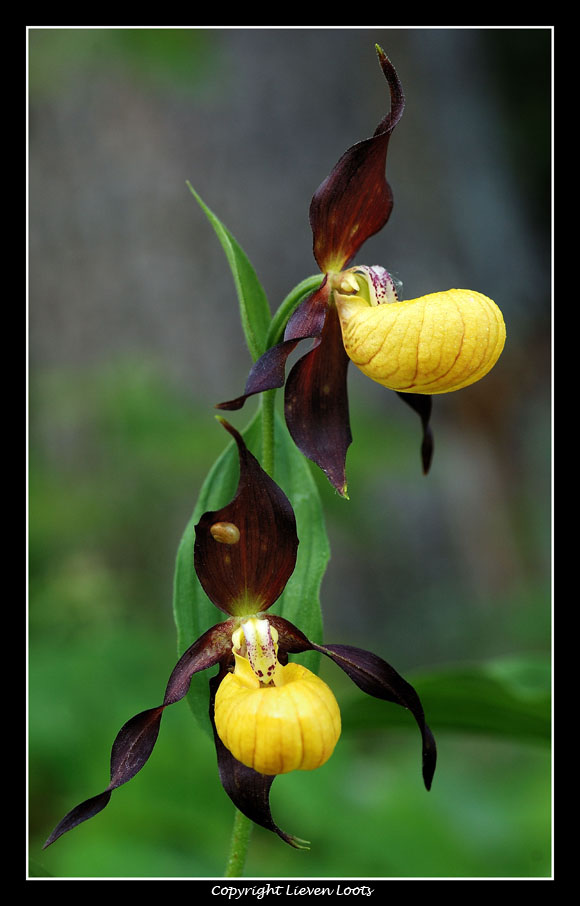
(249, 575)
(355, 201)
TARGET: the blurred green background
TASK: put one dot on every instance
(134, 335)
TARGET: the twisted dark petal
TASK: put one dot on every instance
(269, 371)
(248, 790)
(133, 745)
(316, 403)
(136, 739)
(355, 201)
(377, 678)
(371, 674)
(82, 812)
(422, 404)
(249, 575)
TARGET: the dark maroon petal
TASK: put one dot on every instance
(133, 745)
(355, 201)
(79, 814)
(377, 678)
(371, 674)
(290, 639)
(136, 739)
(269, 371)
(308, 319)
(249, 575)
(209, 649)
(316, 404)
(422, 404)
(248, 790)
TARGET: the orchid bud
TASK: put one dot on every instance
(434, 344)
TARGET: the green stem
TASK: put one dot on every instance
(241, 834)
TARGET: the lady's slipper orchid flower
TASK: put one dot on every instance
(269, 716)
(434, 344)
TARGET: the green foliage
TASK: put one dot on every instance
(254, 309)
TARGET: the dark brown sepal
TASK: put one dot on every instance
(247, 577)
(136, 739)
(422, 404)
(355, 201)
(248, 790)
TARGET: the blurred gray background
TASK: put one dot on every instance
(135, 335)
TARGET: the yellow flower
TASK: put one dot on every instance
(274, 718)
(434, 344)
(269, 716)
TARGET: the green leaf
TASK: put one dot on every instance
(506, 698)
(194, 613)
(254, 308)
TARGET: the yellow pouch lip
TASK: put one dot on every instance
(436, 343)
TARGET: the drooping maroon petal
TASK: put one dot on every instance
(248, 790)
(136, 739)
(316, 403)
(371, 674)
(422, 404)
(355, 201)
(247, 575)
(377, 678)
(268, 373)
